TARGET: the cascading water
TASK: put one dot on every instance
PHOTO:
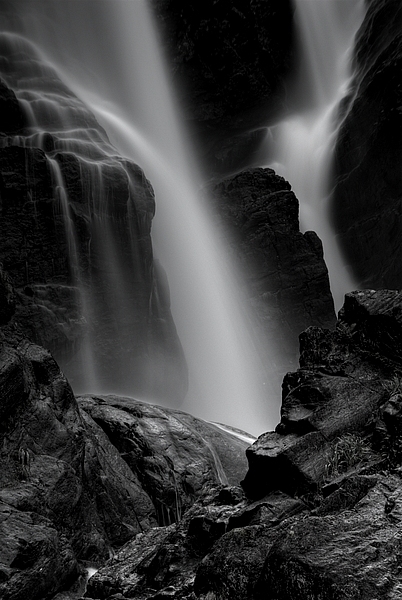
(300, 145)
(107, 53)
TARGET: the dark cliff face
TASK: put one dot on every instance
(229, 61)
(368, 182)
(285, 278)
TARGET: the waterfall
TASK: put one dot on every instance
(299, 147)
(107, 53)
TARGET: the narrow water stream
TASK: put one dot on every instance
(300, 146)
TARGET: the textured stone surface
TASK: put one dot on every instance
(354, 554)
(58, 462)
(339, 388)
(368, 192)
(174, 455)
(35, 559)
(163, 563)
(286, 281)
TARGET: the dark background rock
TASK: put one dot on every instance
(7, 297)
(12, 118)
(283, 273)
(229, 61)
(368, 183)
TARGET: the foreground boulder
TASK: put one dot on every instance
(174, 455)
(66, 494)
(352, 554)
(344, 380)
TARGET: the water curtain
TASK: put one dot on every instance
(105, 60)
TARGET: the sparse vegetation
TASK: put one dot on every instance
(349, 450)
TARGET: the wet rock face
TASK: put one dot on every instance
(78, 246)
(174, 455)
(229, 60)
(329, 557)
(286, 279)
(56, 463)
(368, 190)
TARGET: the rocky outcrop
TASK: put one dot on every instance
(284, 274)
(229, 61)
(352, 554)
(174, 455)
(368, 184)
(321, 518)
(77, 481)
(341, 386)
(78, 246)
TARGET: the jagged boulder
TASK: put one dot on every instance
(368, 184)
(35, 559)
(57, 462)
(165, 563)
(341, 386)
(353, 554)
(285, 277)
